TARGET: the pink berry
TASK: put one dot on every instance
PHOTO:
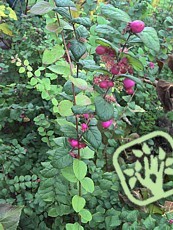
(69, 45)
(128, 83)
(82, 145)
(100, 50)
(84, 127)
(123, 70)
(137, 26)
(170, 221)
(110, 84)
(130, 70)
(124, 60)
(111, 52)
(74, 143)
(103, 84)
(86, 115)
(151, 65)
(130, 91)
(106, 124)
(114, 70)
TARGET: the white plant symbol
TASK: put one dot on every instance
(150, 174)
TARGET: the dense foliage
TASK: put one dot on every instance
(77, 80)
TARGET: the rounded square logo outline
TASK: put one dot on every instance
(121, 174)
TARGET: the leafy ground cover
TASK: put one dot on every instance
(78, 80)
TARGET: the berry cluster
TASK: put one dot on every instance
(76, 144)
(116, 68)
(122, 67)
(108, 57)
(103, 81)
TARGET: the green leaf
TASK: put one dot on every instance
(54, 27)
(106, 29)
(150, 38)
(60, 141)
(114, 13)
(68, 89)
(78, 82)
(1, 227)
(64, 3)
(21, 69)
(78, 49)
(104, 110)
(132, 216)
(149, 222)
(99, 217)
(152, 208)
(50, 56)
(75, 226)
(78, 203)
(137, 109)
(9, 216)
(170, 115)
(45, 95)
(82, 99)
(79, 168)
(54, 101)
(41, 8)
(86, 216)
(82, 32)
(69, 174)
(89, 65)
(93, 137)
(106, 43)
(87, 153)
(88, 184)
(82, 109)
(112, 221)
(29, 74)
(64, 108)
(60, 158)
(59, 210)
(64, 13)
(136, 63)
(26, 62)
(33, 81)
(18, 63)
(37, 73)
(83, 21)
(69, 131)
(61, 67)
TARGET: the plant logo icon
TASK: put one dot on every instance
(148, 170)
